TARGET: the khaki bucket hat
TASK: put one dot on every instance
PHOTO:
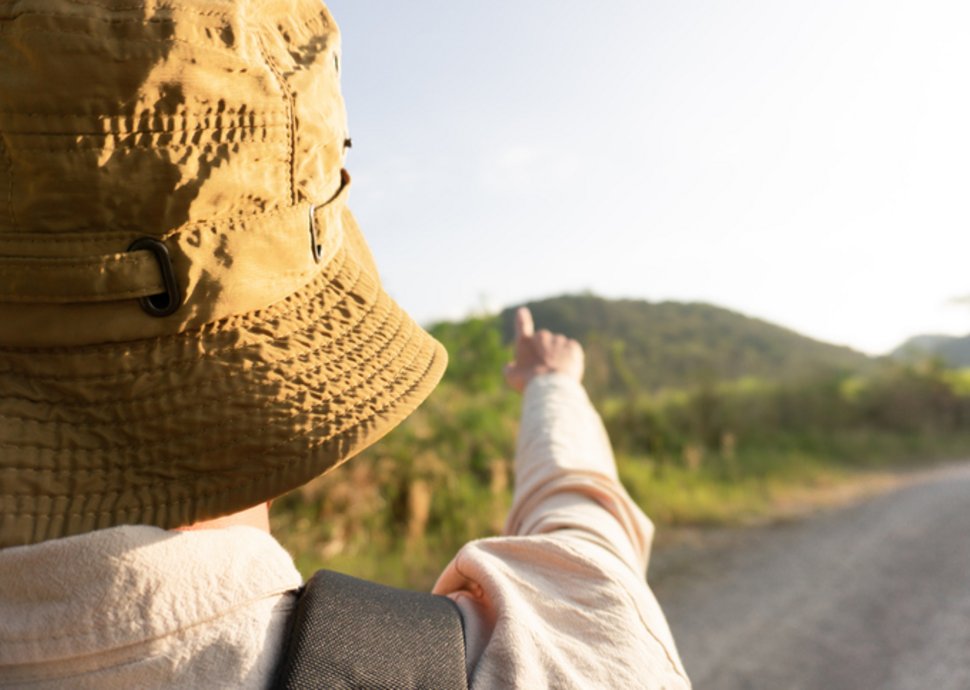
(190, 320)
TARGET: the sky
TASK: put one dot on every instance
(807, 163)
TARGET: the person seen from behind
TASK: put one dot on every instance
(192, 324)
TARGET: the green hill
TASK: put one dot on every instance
(633, 345)
(953, 351)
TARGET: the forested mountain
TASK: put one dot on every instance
(638, 346)
(954, 351)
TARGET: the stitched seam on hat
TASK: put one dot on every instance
(9, 165)
(202, 384)
(87, 296)
(102, 236)
(230, 424)
(207, 147)
(213, 225)
(86, 115)
(75, 297)
(291, 112)
(83, 237)
(70, 263)
(144, 6)
(356, 423)
(119, 133)
(158, 42)
(106, 20)
(126, 20)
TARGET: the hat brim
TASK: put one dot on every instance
(173, 430)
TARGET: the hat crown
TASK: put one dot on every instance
(141, 118)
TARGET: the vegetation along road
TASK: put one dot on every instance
(875, 596)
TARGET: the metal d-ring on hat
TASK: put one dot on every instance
(191, 322)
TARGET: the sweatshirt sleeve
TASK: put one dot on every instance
(566, 478)
(560, 599)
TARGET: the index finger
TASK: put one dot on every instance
(524, 327)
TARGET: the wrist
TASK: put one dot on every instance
(551, 378)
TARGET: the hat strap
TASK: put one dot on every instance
(274, 247)
(123, 275)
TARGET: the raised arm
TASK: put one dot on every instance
(561, 599)
(565, 474)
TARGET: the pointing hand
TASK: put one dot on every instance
(541, 353)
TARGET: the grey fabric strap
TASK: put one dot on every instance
(350, 633)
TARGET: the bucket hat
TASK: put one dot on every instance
(191, 322)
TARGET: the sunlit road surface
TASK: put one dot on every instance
(876, 596)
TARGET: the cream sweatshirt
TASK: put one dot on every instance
(559, 601)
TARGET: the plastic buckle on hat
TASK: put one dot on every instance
(164, 303)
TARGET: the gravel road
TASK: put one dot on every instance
(875, 596)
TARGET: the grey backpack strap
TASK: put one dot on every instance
(351, 633)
